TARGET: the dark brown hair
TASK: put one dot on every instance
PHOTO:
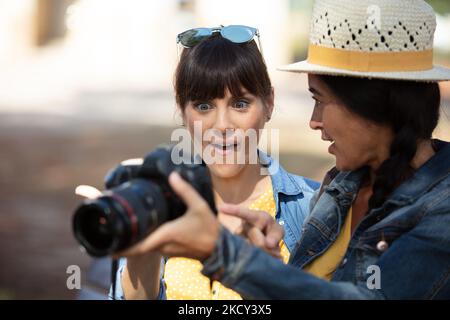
(208, 69)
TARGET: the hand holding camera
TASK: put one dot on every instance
(139, 199)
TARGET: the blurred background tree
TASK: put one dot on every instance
(440, 6)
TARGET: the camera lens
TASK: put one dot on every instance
(94, 226)
(119, 218)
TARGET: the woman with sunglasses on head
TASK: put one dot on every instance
(222, 83)
(380, 228)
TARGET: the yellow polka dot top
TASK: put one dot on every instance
(183, 277)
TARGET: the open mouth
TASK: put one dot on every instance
(326, 137)
(225, 147)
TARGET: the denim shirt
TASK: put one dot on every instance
(413, 225)
(292, 195)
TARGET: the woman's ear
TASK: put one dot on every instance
(270, 104)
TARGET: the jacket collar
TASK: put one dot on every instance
(282, 181)
(426, 177)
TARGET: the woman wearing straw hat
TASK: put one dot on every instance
(380, 228)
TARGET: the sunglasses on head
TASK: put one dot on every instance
(234, 33)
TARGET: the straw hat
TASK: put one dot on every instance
(387, 39)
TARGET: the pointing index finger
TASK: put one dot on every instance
(250, 216)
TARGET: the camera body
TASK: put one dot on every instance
(138, 200)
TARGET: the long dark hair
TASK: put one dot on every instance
(410, 108)
(216, 64)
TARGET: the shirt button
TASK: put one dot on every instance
(281, 223)
(382, 246)
(343, 262)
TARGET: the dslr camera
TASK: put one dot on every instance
(137, 200)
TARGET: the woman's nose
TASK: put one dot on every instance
(223, 121)
(315, 125)
(316, 120)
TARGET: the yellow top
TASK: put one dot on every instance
(184, 280)
(325, 265)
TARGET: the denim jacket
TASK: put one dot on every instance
(400, 250)
(292, 195)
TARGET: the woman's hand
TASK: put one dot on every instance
(193, 235)
(258, 227)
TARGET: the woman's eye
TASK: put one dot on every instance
(241, 104)
(317, 103)
(202, 106)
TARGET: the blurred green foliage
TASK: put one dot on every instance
(297, 5)
(440, 6)
(6, 294)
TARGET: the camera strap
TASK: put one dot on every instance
(114, 268)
